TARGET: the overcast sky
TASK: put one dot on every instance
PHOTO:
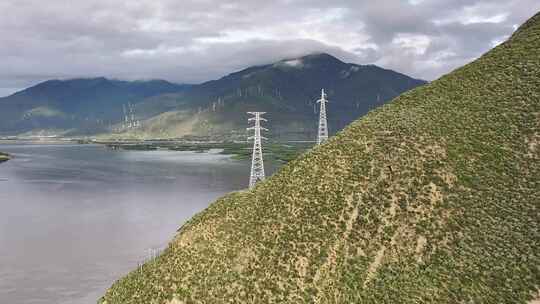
(193, 41)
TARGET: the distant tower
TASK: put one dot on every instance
(257, 165)
(131, 116)
(323, 124)
(124, 124)
(136, 122)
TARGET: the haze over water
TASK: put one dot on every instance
(74, 218)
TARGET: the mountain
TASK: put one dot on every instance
(82, 104)
(287, 90)
(432, 198)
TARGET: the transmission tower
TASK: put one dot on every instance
(125, 121)
(131, 116)
(323, 123)
(257, 165)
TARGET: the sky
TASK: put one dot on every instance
(191, 41)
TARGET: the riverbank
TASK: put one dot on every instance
(4, 157)
(283, 152)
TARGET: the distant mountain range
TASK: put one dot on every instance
(75, 106)
(287, 90)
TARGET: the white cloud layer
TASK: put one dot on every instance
(196, 40)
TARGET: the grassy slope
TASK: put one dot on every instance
(433, 198)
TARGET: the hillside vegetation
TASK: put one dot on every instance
(433, 198)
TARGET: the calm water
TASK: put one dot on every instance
(74, 218)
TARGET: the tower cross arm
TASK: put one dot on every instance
(323, 97)
(260, 128)
(261, 137)
(322, 100)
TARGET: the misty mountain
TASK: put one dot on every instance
(287, 90)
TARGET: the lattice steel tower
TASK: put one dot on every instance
(257, 164)
(131, 116)
(323, 123)
(126, 119)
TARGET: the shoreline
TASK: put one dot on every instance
(279, 151)
(240, 150)
(4, 157)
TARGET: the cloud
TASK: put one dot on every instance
(197, 40)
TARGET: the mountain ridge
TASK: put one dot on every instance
(81, 103)
(62, 81)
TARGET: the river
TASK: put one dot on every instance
(74, 218)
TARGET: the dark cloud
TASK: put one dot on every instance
(193, 41)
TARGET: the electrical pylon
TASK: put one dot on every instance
(323, 123)
(131, 116)
(125, 122)
(257, 164)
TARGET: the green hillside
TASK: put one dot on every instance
(433, 198)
